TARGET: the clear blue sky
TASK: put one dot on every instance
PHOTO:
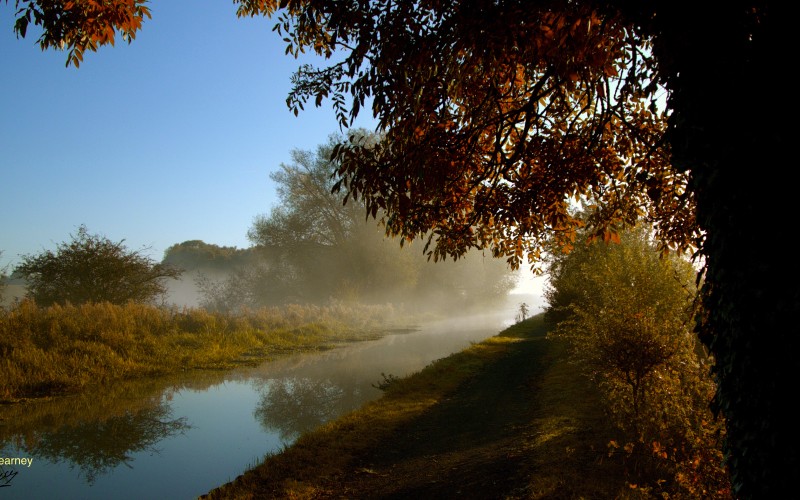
(171, 138)
(165, 140)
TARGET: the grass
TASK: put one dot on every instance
(62, 349)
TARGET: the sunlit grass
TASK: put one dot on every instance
(58, 349)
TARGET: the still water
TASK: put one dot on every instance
(181, 436)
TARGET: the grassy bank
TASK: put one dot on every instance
(58, 349)
(507, 417)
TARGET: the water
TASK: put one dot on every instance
(181, 436)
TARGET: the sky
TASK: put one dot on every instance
(168, 139)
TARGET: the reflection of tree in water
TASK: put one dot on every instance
(99, 446)
(293, 406)
(100, 428)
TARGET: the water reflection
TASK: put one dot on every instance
(292, 406)
(97, 447)
(180, 436)
(92, 432)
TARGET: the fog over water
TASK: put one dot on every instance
(180, 436)
(184, 292)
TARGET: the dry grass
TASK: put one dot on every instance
(58, 349)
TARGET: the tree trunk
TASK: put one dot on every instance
(732, 100)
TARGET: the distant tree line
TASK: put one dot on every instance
(3, 279)
(312, 247)
(197, 254)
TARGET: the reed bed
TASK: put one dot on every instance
(64, 348)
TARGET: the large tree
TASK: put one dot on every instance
(92, 268)
(319, 247)
(496, 113)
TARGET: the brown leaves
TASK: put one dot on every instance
(489, 113)
(81, 25)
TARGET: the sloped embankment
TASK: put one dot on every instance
(506, 418)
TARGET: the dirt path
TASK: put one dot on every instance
(469, 445)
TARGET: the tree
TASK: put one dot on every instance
(629, 320)
(198, 255)
(497, 113)
(523, 311)
(627, 316)
(319, 247)
(92, 268)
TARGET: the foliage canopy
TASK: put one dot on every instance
(197, 254)
(92, 268)
(80, 25)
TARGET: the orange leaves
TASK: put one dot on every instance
(606, 234)
(659, 450)
(252, 8)
(492, 130)
(80, 25)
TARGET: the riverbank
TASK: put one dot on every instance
(507, 418)
(49, 351)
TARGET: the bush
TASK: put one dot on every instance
(92, 268)
(628, 313)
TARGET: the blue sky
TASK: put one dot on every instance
(165, 140)
(168, 139)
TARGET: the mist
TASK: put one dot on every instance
(372, 269)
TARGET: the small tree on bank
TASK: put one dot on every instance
(92, 268)
(628, 316)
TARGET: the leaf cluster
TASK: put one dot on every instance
(80, 25)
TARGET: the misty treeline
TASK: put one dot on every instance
(314, 248)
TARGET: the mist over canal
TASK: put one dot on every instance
(181, 436)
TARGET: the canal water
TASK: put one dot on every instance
(181, 436)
